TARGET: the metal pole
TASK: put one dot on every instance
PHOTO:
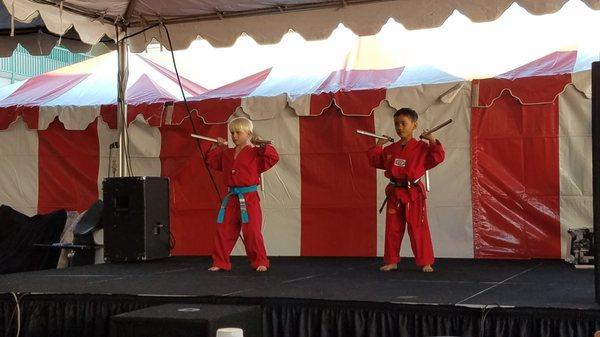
(123, 75)
(596, 171)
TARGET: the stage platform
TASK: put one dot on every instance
(318, 296)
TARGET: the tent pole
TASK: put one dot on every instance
(123, 75)
(596, 172)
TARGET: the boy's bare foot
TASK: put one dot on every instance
(427, 269)
(389, 267)
(261, 268)
(214, 268)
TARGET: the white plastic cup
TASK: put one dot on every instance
(230, 332)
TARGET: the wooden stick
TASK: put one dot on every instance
(370, 134)
(435, 129)
(214, 140)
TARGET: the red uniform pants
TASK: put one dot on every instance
(229, 231)
(398, 215)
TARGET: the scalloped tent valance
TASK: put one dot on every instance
(36, 38)
(221, 22)
(354, 92)
(556, 70)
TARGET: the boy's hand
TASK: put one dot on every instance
(221, 141)
(256, 140)
(381, 142)
(428, 136)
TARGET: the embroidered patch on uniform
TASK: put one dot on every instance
(400, 162)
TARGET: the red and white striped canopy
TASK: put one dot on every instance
(79, 93)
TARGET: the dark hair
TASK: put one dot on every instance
(408, 112)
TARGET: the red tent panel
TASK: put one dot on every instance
(515, 179)
(194, 201)
(337, 209)
(359, 102)
(68, 169)
(211, 111)
(529, 90)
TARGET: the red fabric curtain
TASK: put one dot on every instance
(194, 202)
(338, 186)
(515, 179)
(68, 168)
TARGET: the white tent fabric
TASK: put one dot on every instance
(575, 140)
(221, 22)
(19, 169)
(281, 200)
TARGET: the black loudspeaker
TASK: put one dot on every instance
(596, 170)
(187, 320)
(136, 218)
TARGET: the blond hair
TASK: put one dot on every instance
(241, 124)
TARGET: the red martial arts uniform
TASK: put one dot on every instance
(404, 165)
(242, 172)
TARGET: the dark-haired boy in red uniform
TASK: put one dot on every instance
(404, 162)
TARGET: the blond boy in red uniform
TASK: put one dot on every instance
(240, 210)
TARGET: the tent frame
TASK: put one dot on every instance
(123, 76)
(128, 21)
(596, 172)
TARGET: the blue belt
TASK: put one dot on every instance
(239, 191)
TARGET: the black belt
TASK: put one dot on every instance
(400, 184)
(404, 183)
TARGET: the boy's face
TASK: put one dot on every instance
(404, 126)
(240, 137)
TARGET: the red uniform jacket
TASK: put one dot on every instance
(246, 168)
(408, 162)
